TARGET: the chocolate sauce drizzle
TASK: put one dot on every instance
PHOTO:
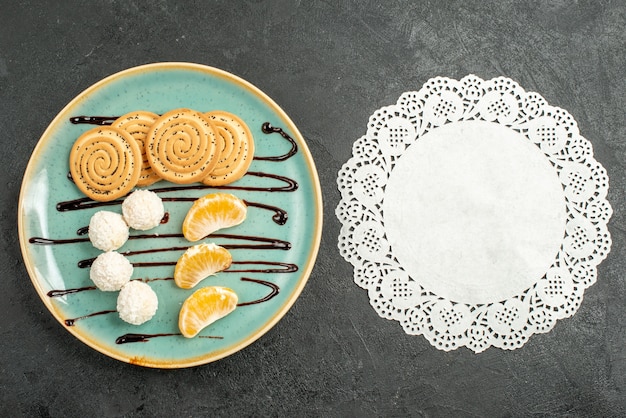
(275, 290)
(280, 215)
(267, 243)
(58, 293)
(87, 203)
(71, 322)
(93, 120)
(279, 267)
(267, 128)
(50, 241)
(142, 338)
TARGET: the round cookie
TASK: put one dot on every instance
(182, 146)
(105, 163)
(237, 152)
(137, 124)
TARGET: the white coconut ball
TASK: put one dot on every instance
(110, 271)
(137, 302)
(143, 210)
(107, 230)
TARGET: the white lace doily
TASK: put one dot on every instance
(473, 213)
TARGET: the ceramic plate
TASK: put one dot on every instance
(273, 250)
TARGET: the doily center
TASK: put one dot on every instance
(474, 212)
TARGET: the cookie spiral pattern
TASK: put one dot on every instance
(182, 146)
(237, 152)
(138, 124)
(104, 163)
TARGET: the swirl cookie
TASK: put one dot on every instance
(237, 152)
(105, 162)
(182, 146)
(137, 124)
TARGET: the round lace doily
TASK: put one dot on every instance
(473, 213)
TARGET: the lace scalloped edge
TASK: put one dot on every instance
(395, 295)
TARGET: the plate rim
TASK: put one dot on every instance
(316, 227)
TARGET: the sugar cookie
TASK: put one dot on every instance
(138, 124)
(182, 146)
(237, 152)
(105, 162)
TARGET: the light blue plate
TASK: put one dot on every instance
(54, 267)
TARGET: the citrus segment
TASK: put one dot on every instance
(205, 306)
(212, 212)
(200, 262)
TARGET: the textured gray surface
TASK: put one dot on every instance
(329, 65)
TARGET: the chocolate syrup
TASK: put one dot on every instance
(58, 293)
(291, 185)
(280, 216)
(70, 322)
(281, 267)
(271, 243)
(139, 338)
(84, 203)
(275, 289)
(93, 120)
(267, 128)
(48, 241)
(274, 292)
(143, 338)
(55, 293)
(268, 243)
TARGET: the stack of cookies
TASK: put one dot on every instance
(140, 148)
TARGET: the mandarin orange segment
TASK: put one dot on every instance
(212, 212)
(200, 262)
(204, 307)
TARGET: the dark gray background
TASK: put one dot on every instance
(330, 65)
